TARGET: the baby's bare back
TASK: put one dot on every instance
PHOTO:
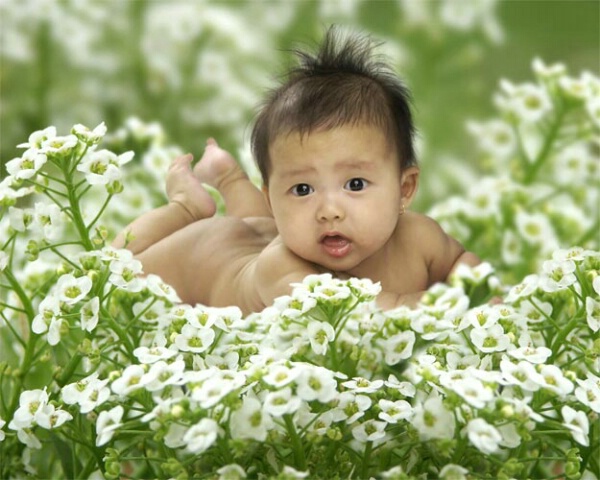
(212, 261)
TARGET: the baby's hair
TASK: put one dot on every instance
(343, 83)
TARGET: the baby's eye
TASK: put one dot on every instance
(356, 184)
(302, 189)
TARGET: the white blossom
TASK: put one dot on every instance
(107, 423)
(281, 402)
(491, 339)
(319, 335)
(250, 421)
(50, 417)
(129, 381)
(393, 411)
(27, 165)
(485, 437)
(577, 422)
(399, 347)
(592, 310)
(89, 314)
(201, 436)
(433, 420)
(369, 431)
(316, 383)
(31, 402)
(71, 289)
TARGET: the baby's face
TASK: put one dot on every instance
(335, 194)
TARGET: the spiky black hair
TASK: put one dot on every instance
(343, 83)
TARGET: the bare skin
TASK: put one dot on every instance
(241, 259)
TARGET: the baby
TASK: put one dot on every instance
(334, 145)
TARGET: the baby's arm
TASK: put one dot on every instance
(188, 202)
(444, 253)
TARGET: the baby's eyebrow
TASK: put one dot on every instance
(355, 164)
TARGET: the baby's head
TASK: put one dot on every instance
(344, 83)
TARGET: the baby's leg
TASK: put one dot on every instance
(219, 169)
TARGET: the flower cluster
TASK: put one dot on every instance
(542, 157)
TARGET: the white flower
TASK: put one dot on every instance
(522, 374)
(483, 436)
(557, 275)
(473, 391)
(527, 351)
(129, 381)
(316, 383)
(453, 472)
(577, 422)
(552, 378)
(161, 289)
(535, 312)
(27, 437)
(217, 385)
(162, 374)
(153, 354)
(250, 421)
(47, 220)
(71, 290)
(430, 327)
(281, 402)
(526, 288)
(535, 228)
(529, 103)
(89, 314)
(491, 339)
(572, 164)
(494, 137)
(103, 166)
(30, 403)
(407, 389)
(88, 393)
(2, 434)
(49, 311)
(59, 145)
(433, 420)
(27, 165)
(196, 340)
(511, 248)
(280, 375)
(369, 431)
(548, 71)
(49, 417)
(588, 392)
(484, 316)
(350, 407)
(201, 436)
(107, 423)
(90, 137)
(38, 137)
(399, 347)
(592, 309)
(362, 385)
(392, 412)
(231, 472)
(320, 334)
(125, 274)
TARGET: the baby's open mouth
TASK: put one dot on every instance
(336, 245)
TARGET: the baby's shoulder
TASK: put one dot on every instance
(418, 227)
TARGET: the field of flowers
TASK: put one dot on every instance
(106, 374)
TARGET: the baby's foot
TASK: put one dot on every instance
(217, 167)
(187, 190)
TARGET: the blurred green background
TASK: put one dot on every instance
(200, 68)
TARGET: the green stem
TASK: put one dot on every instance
(296, 443)
(366, 460)
(31, 341)
(548, 143)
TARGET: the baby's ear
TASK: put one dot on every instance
(409, 184)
